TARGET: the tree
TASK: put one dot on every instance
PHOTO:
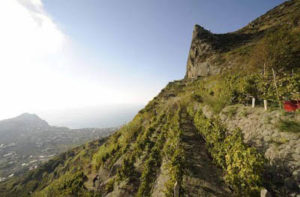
(276, 53)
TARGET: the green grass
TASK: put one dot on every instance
(289, 126)
(244, 113)
(231, 111)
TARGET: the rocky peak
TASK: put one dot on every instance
(23, 121)
(202, 33)
(204, 44)
(211, 54)
(28, 116)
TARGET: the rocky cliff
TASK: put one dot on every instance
(200, 137)
(212, 54)
(201, 55)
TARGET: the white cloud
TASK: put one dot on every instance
(26, 31)
(29, 39)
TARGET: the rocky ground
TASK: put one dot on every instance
(266, 131)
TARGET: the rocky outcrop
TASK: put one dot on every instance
(201, 55)
(211, 54)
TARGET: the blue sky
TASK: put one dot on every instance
(60, 57)
(148, 38)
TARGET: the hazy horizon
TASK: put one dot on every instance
(88, 117)
(91, 117)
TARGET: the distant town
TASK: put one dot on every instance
(28, 141)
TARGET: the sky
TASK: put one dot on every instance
(107, 57)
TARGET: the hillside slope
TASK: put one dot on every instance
(198, 137)
(27, 141)
(66, 164)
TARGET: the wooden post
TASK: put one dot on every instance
(265, 105)
(253, 102)
(176, 189)
(275, 84)
(265, 101)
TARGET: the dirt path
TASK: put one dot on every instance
(201, 176)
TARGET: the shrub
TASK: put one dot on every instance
(118, 144)
(231, 111)
(109, 187)
(127, 169)
(69, 184)
(243, 165)
(175, 152)
(226, 89)
(151, 166)
(289, 126)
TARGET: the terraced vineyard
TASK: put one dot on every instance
(199, 136)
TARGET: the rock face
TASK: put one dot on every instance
(203, 47)
(211, 54)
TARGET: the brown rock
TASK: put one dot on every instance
(200, 60)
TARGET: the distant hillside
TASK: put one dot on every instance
(11, 128)
(26, 141)
(68, 163)
(200, 136)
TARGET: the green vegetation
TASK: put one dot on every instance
(67, 185)
(149, 174)
(279, 141)
(243, 165)
(289, 126)
(160, 143)
(127, 169)
(155, 134)
(231, 111)
(278, 49)
(133, 156)
(174, 152)
(62, 174)
(117, 144)
(227, 89)
(109, 187)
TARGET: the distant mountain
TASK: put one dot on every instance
(26, 119)
(200, 136)
(15, 129)
(23, 123)
(26, 141)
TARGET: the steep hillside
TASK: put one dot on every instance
(199, 137)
